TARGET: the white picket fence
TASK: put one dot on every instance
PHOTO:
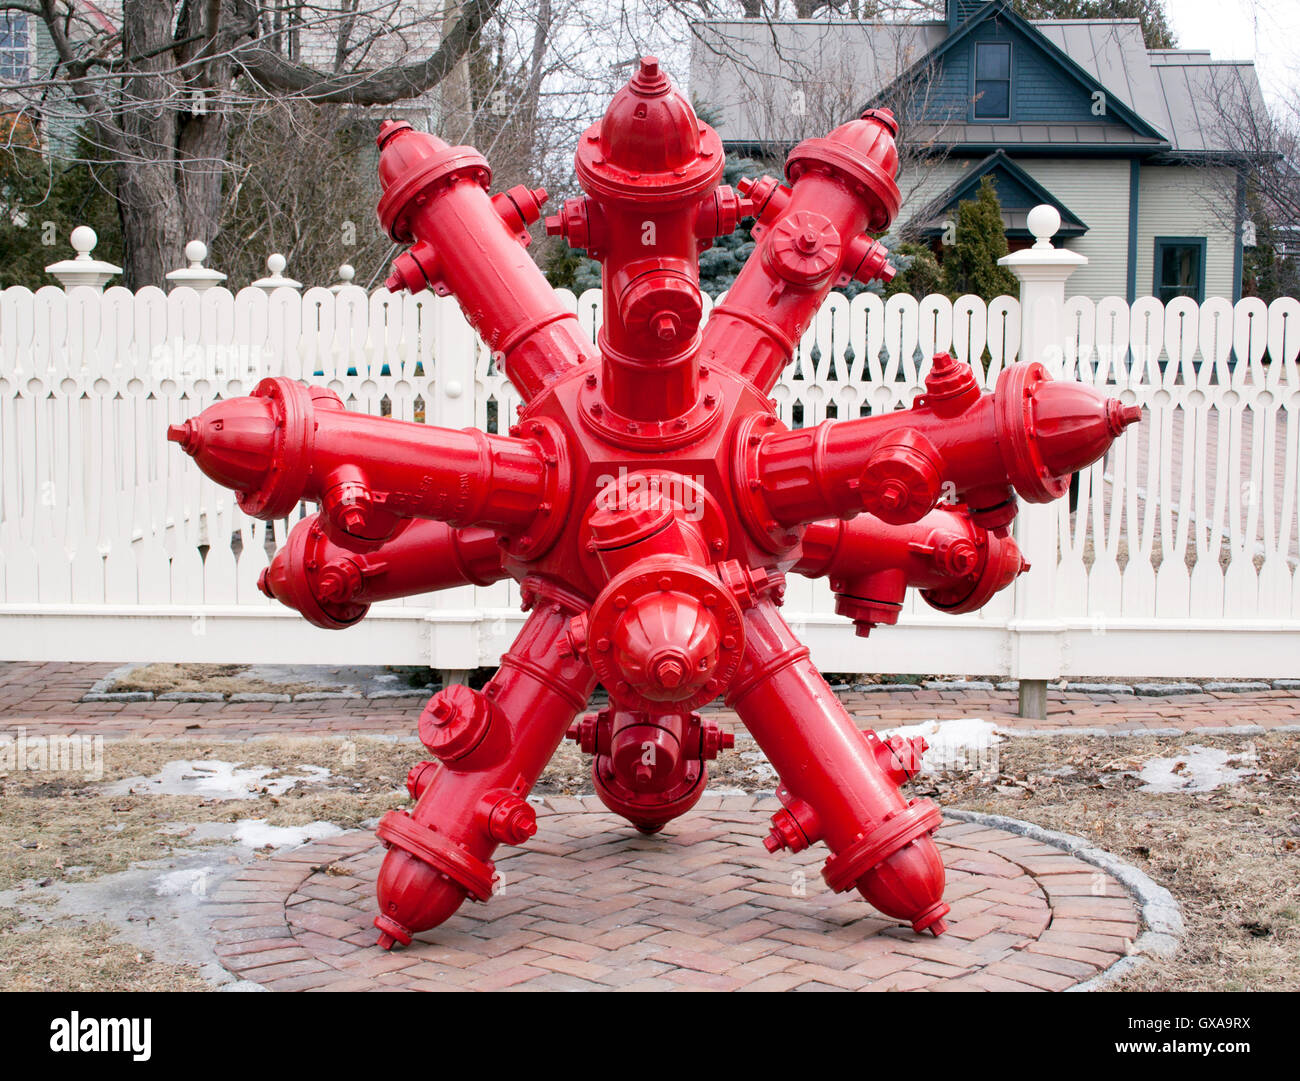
(1181, 558)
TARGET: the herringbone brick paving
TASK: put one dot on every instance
(590, 905)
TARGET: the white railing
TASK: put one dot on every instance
(1180, 559)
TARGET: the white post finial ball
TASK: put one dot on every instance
(1044, 221)
(83, 240)
(196, 251)
(276, 264)
(347, 272)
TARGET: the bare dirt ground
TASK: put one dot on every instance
(160, 678)
(220, 678)
(1230, 856)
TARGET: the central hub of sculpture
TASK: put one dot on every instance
(650, 501)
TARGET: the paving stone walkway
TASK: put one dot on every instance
(591, 905)
(47, 698)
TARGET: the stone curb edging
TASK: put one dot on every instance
(1133, 733)
(1160, 912)
(97, 694)
(100, 691)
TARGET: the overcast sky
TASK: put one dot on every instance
(1266, 31)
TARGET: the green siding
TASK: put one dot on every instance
(1096, 190)
(1188, 200)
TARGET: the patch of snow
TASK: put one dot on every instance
(252, 832)
(190, 880)
(255, 833)
(1196, 769)
(964, 744)
(214, 779)
(758, 766)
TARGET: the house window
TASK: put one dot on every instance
(992, 80)
(15, 49)
(1180, 267)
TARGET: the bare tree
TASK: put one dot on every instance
(221, 119)
(301, 177)
(157, 85)
(1247, 173)
(1264, 142)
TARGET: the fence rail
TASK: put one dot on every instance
(1180, 558)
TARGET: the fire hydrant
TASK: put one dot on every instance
(650, 501)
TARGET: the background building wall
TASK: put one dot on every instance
(1187, 200)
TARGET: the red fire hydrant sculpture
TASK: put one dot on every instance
(650, 501)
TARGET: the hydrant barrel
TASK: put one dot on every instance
(807, 237)
(476, 250)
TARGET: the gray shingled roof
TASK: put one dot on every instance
(1206, 101)
(1182, 92)
(1035, 135)
(1112, 52)
(749, 70)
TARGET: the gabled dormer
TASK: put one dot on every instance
(1018, 193)
(997, 82)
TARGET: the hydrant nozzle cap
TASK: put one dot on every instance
(628, 516)
(1121, 416)
(181, 433)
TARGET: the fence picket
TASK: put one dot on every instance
(1193, 515)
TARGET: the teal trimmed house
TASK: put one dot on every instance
(1139, 149)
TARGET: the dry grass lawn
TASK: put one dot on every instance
(1231, 857)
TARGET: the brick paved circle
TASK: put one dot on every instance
(590, 904)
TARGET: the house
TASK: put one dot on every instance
(1141, 150)
(27, 58)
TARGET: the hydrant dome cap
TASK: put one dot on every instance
(649, 146)
(649, 126)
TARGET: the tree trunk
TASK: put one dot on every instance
(159, 112)
(177, 136)
(456, 107)
(200, 166)
(153, 226)
(147, 194)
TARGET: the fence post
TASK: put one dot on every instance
(275, 279)
(346, 273)
(1037, 635)
(83, 269)
(196, 275)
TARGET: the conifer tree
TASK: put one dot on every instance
(971, 264)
